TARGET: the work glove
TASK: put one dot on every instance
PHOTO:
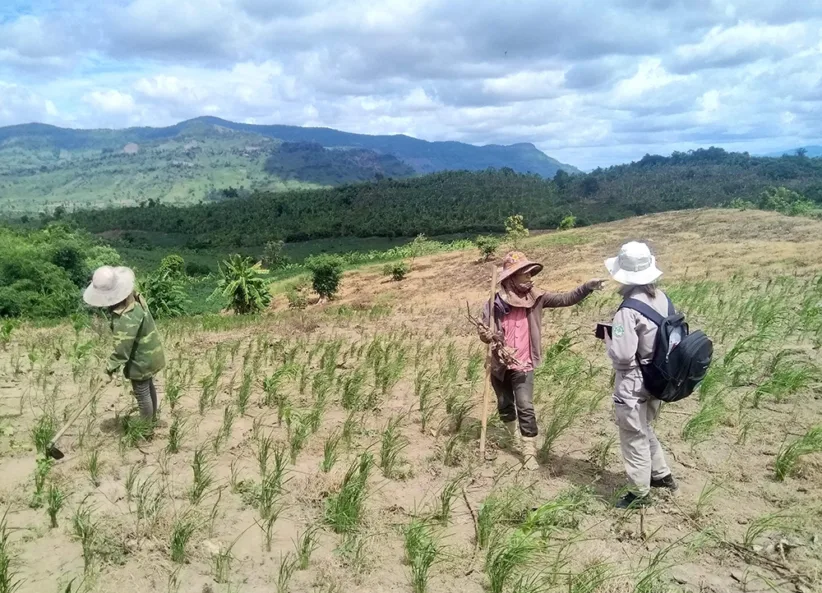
(595, 284)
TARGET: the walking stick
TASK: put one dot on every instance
(487, 389)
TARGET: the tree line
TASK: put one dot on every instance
(462, 202)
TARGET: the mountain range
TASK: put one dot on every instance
(813, 151)
(43, 166)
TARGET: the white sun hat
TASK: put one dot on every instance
(634, 266)
(109, 286)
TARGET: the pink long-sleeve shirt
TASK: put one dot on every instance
(518, 336)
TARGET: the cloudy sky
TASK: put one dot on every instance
(591, 82)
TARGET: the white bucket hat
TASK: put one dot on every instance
(109, 286)
(634, 266)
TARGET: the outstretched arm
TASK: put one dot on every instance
(567, 299)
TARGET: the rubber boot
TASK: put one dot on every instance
(529, 453)
(511, 429)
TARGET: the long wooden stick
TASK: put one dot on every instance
(486, 392)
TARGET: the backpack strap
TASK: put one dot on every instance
(671, 308)
(645, 309)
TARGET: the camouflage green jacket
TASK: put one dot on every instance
(137, 346)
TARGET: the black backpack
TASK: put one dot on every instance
(680, 359)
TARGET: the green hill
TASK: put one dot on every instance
(43, 167)
(473, 202)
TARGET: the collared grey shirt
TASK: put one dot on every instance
(633, 334)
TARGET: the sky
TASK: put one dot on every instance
(590, 82)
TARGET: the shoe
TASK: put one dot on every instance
(529, 453)
(666, 482)
(632, 501)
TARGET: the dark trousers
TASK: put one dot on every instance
(146, 395)
(515, 400)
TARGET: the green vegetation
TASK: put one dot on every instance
(50, 168)
(344, 510)
(487, 246)
(9, 583)
(44, 167)
(242, 282)
(471, 202)
(326, 273)
(515, 230)
(310, 162)
(786, 460)
(397, 270)
(779, 199)
(42, 272)
(165, 288)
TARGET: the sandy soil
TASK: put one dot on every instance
(427, 309)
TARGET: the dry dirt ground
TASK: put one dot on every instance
(751, 279)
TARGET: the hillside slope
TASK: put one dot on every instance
(42, 167)
(474, 202)
(383, 389)
(424, 156)
(689, 245)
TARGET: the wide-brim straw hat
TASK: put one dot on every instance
(109, 286)
(516, 261)
(634, 266)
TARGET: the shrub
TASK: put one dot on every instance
(173, 266)
(397, 270)
(32, 288)
(740, 204)
(568, 222)
(296, 296)
(326, 273)
(487, 246)
(242, 283)
(785, 201)
(274, 256)
(102, 255)
(71, 258)
(164, 291)
(195, 269)
(515, 230)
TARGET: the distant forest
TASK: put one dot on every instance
(473, 202)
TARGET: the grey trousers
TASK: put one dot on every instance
(635, 410)
(515, 400)
(146, 395)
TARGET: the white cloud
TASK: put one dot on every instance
(590, 81)
(742, 43)
(111, 101)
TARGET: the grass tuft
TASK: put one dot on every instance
(9, 583)
(788, 456)
(181, 532)
(288, 565)
(306, 545)
(54, 503)
(176, 434)
(508, 554)
(203, 471)
(421, 552)
(330, 451)
(393, 443)
(344, 510)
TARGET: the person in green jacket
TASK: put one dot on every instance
(138, 350)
